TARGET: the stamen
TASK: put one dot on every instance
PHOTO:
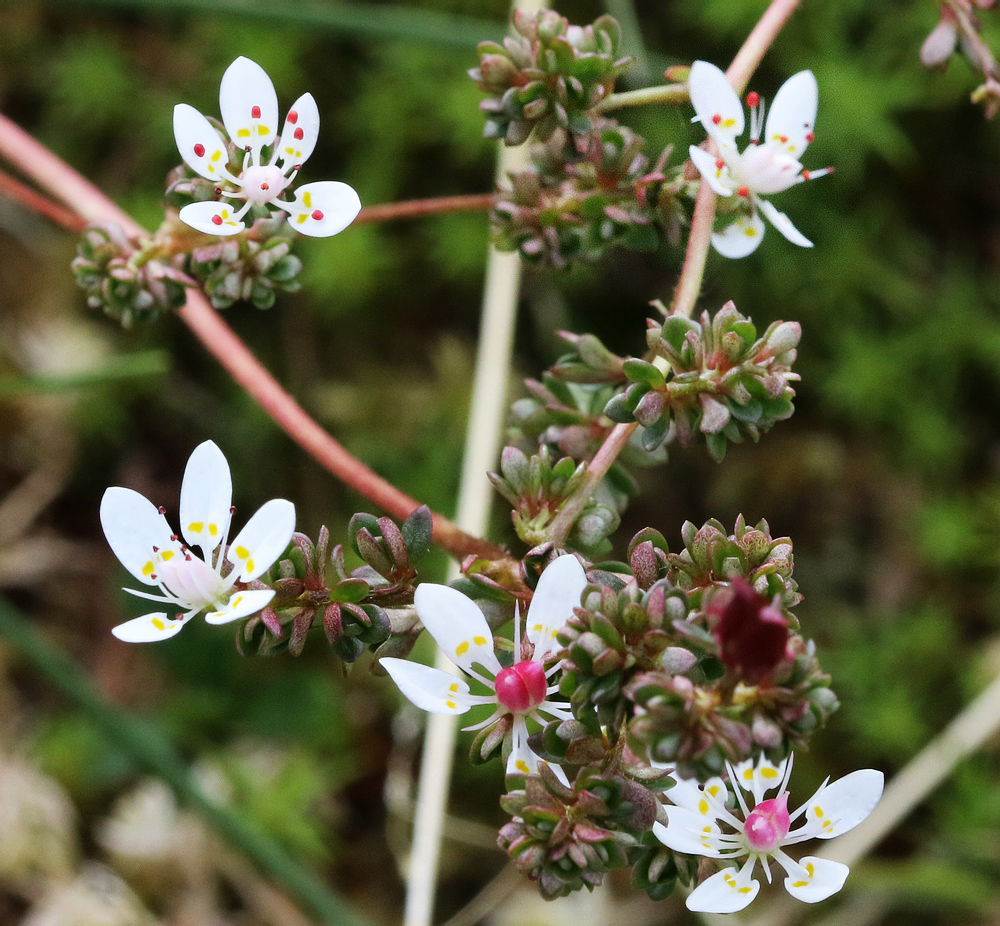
(753, 99)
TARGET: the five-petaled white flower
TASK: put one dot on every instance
(521, 690)
(249, 109)
(145, 545)
(769, 164)
(695, 826)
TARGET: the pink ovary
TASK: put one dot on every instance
(521, 688)
(767, 824)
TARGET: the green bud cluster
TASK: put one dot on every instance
(614, 635)
(536, 487)
(549, 76)
(722, 383)
(565, 208)
(253, 267)
(314, 585)
(122, 280)
(712, 557)
(568, 837)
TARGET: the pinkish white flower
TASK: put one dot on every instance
(703, 821)
(769, 164)
(144, 543)
(249, 109)
(521, 690)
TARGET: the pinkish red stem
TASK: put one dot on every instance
(747, 60)
(54, 175)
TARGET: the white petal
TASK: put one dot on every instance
(725, 892)
(428, 688)
(740, 238)
(323, 208)
(521, 761)
(715, 101)
(784, 224)
(263, 539)
(212, 218)
(689, 832)
(792, 117)
(200, 144)
(248, 104)
(301, 129)
(241, 604)
(557, 593)
(841, 806)
(718, 178)
(760, 776)
(133, 526)
(457, 626)
(814, 879)
(148, 629)
(700, 799)
(206, 497)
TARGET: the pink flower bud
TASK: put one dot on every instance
(939, 45)
(521, 688)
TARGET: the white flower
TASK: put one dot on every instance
(460, 629)
(767, 165)
(141, 538)
(695, 826)
(249, 109)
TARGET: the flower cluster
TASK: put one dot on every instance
(703, 821)
(246, 174)
(518, 692)
(216, 582)
(768, 165)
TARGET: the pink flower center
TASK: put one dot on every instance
(521, 688)
(263, 184)
(767, 825)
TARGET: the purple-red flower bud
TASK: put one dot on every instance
(752, 632)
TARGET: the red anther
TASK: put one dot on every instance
(265, 186)
(810, 137)
(248, 148)
(806, 175)
(293, 116)
(743, 191)
(157, 549)
(216, 219)
(173, 537)
(317, 215)
(153, 576)
(162, 510)
(187, 557)
(232, 510)
(255, 112)
(218, 191)
(716, 119)
(297, 167)
(299, 134)
(831, 170)
(719, 164)
(753, 98)
(783, 139)
(178, 617)
(199, 150)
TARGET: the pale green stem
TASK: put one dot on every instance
(482, 447)
(667, 93)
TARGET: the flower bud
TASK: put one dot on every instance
(940, 44)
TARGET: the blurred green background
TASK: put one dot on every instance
(886, 478)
